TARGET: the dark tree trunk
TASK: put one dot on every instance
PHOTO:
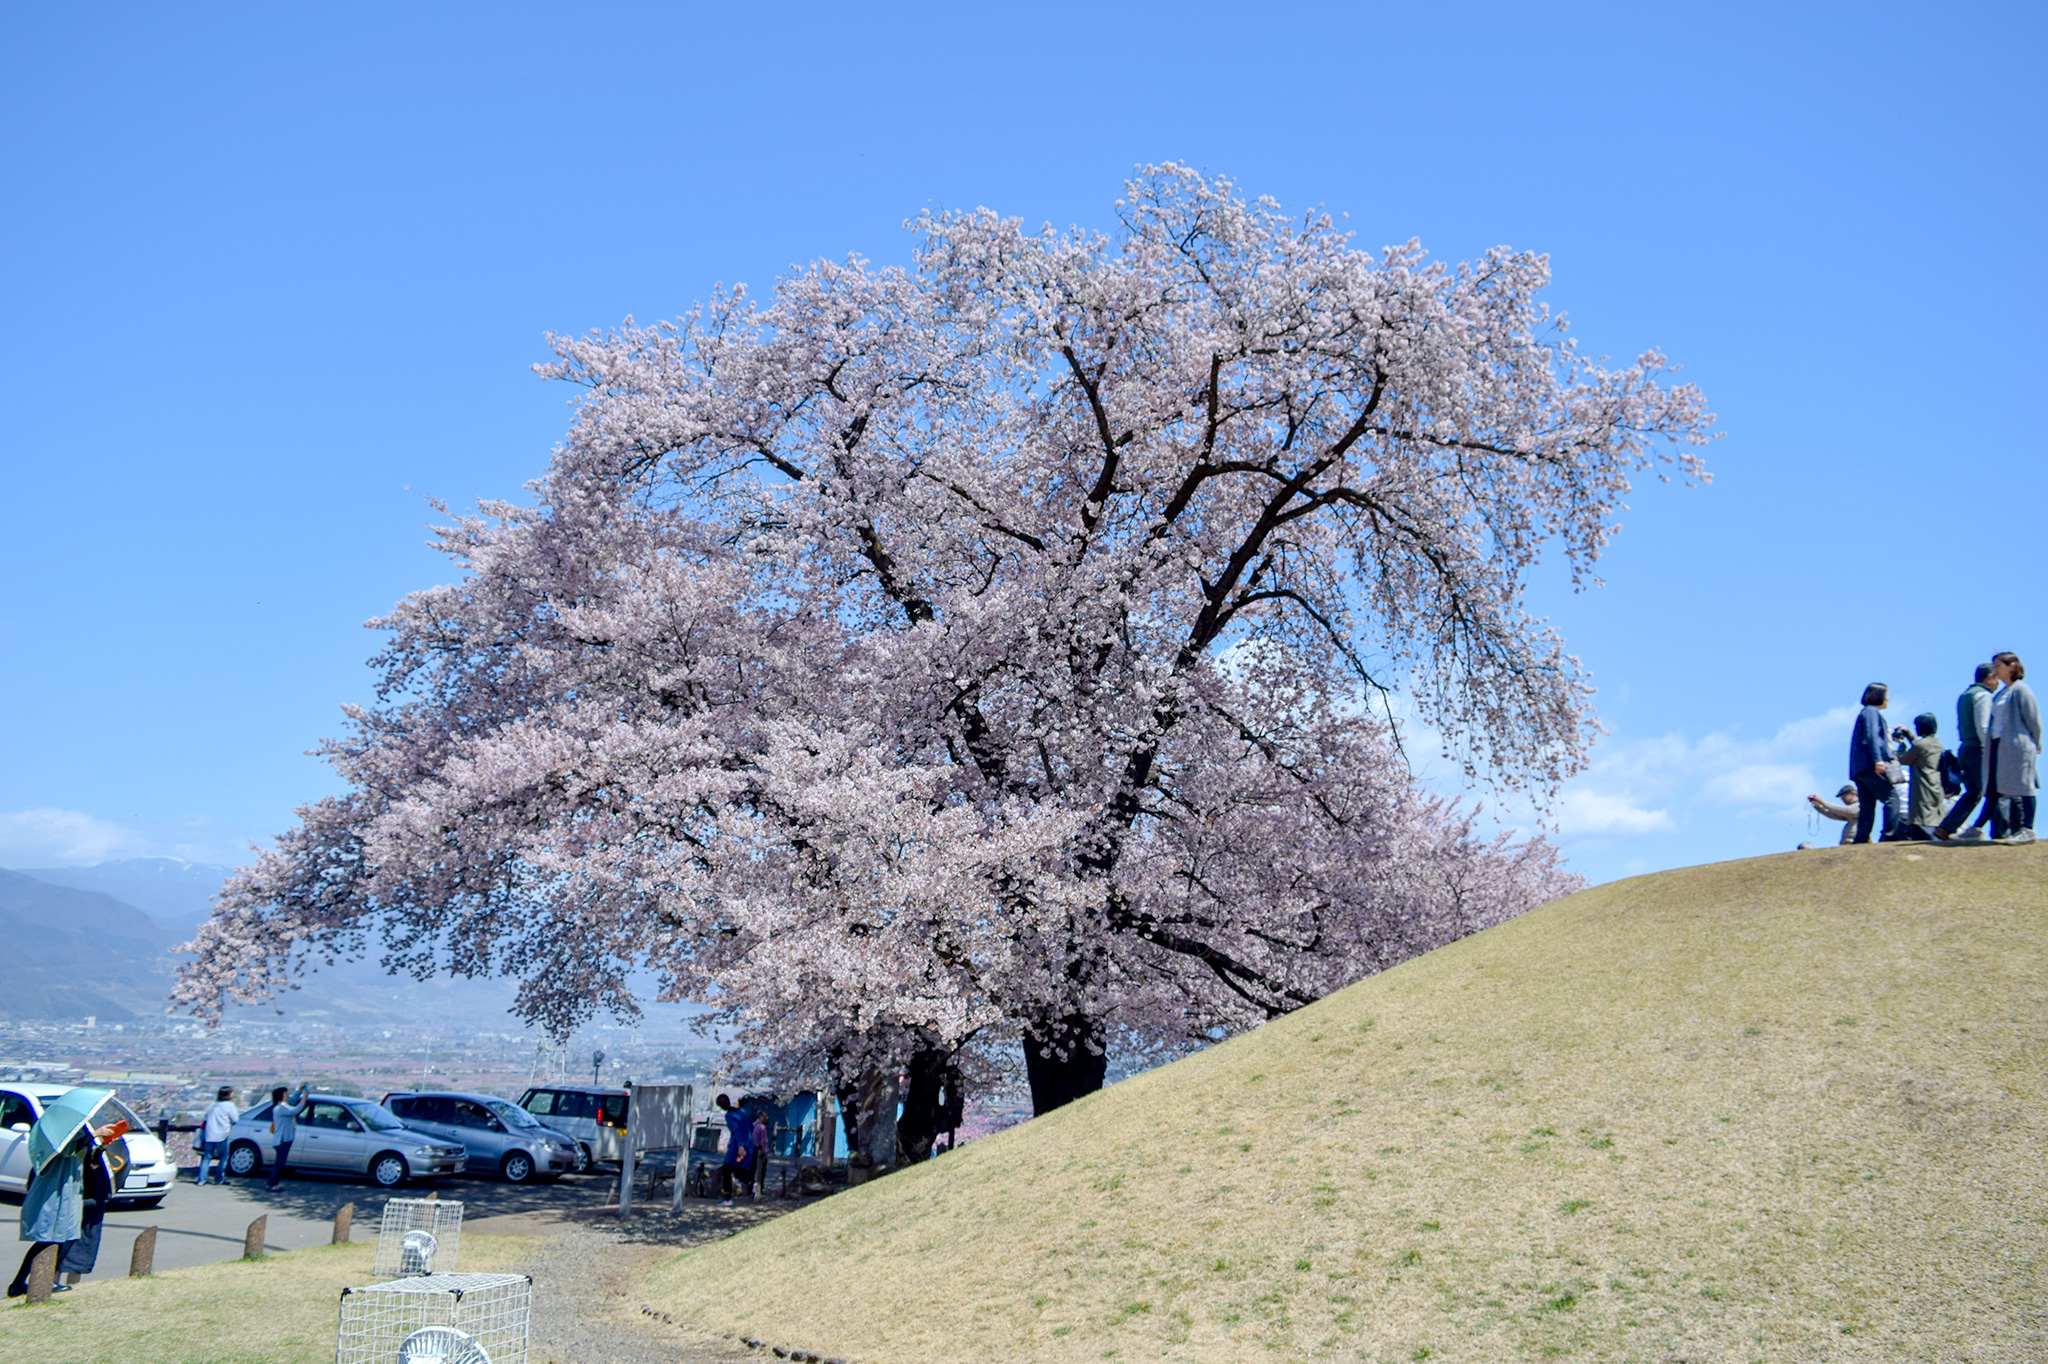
(919, 1127)
(1064, 1059)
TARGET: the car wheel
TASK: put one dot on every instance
(583, 1161)
(517, 1168)
(244, 1159)
(389, 1170)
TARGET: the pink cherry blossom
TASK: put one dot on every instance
(997, 650)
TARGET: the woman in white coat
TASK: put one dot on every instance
(2015, 744)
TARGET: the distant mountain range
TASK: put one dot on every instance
(97, 940)
(176, 893)
(73, 952)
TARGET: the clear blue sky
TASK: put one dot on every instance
(273, 278)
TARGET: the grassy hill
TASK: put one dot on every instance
(1780, 1109)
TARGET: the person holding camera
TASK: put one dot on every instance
(1923, 761)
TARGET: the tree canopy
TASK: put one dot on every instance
(996, 650)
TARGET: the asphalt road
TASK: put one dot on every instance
(200, 1224)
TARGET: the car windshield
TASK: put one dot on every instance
(512, 1115)
(376, 1117)
(113, 1110)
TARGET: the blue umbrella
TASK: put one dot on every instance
(64, 1118)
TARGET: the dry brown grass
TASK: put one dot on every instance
(279, 1310)
(1787, 1108)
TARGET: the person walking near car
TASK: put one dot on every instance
(213, 1134)
(1870, 762)
(2015, 744)
(739, 1158)
(1973, 735)
(284, 1127)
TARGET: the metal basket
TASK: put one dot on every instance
(494, 1312)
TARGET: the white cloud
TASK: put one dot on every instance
(1645, 786)
(1816, 730)
(1593, 812)
(43, 838)
(1761, 784)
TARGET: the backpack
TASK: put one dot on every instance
(1951, 774)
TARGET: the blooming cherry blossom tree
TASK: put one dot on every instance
(993, 651)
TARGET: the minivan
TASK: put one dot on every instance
(593, 1115)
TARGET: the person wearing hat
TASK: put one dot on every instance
(1846, 812)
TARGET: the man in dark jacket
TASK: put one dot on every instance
(1973, 716)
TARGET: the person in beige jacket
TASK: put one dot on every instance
(1923, 760)
(1846, 813)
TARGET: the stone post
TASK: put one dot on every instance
(344, 1222)
(42, 1274)
(142, 1259)
(252, 1239)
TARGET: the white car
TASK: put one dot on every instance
(149, 1177)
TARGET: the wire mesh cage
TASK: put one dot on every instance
(441, 1221)
(443, 1318)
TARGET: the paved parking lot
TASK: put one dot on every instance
(198, 1224)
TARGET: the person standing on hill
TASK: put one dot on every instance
(1870, 762)
(1973, 734)
(213, 1134)
(2015, 744)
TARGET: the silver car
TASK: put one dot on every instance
(343, 1135)
(500, 1137)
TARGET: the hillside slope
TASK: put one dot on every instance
(1786, 1108)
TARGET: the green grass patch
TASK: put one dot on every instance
(281, 1309)
(1823, 1069)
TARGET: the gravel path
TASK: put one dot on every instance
(585, 1307)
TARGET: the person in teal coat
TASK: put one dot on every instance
(53, 1208)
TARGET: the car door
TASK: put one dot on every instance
(428, 1114)
(327, 1138)
(480, 1134)
(17, 1115)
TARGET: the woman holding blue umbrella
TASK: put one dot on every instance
(54, 1207)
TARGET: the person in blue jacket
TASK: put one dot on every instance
(739, 1148)
(284, 1126)
(1870, 762)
